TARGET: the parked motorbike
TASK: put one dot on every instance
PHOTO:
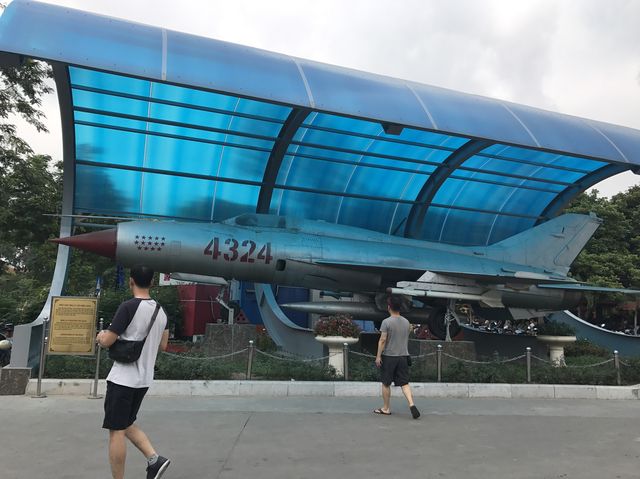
(6, 332)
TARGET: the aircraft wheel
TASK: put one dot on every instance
(437, 326)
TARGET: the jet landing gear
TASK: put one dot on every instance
(443, 322)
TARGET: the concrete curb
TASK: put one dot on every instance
(83, 387)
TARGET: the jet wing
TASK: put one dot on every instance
(404, 272)
(588, 287)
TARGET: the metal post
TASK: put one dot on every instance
(439, 362)
(94, 394)
(345, 361)
(250, 359)
(616, 363)
(43, 355)
(528, 364)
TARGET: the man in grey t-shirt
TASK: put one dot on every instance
(393, 356)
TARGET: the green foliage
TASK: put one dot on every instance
(584, 347)
(597, 375)
(169, 366)
(264, 341)
(612, 256)
(583, 369)
(286, 369)
(167, 296)
(21, 92)
(555, 328)
(76, 367)
(29, 188)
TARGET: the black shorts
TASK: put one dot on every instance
(394, 369)
(121, 405)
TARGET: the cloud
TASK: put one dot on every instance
(576, 56)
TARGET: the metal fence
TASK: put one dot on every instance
(527, 357)
(252, 354)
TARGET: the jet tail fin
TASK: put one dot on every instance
(551, 246)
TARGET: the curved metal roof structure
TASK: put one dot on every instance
(165, 124)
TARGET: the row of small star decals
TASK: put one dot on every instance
(149, 245)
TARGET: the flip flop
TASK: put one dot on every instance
(414, 412)
(380, 411)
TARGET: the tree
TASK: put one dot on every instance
(29, 188)
(21, 92)
(612, 257)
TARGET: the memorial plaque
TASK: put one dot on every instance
(73, 325)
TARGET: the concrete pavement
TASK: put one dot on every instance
(330, 437)
(245, 388)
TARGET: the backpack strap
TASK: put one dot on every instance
(153, 319)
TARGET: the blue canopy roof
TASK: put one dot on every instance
(168, 124)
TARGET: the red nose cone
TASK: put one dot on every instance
(99, 242)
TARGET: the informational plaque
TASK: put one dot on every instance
(73, 325)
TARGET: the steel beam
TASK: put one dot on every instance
(291, 125)
(28, 337)
(418, 212)
(555, 207)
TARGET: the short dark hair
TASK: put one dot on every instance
(395, 302)
(142, 275)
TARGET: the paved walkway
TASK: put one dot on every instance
(329, 437)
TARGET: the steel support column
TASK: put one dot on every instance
(27, 337)
(291, 125)
(555, 207)
(282, 330)
(418, 212)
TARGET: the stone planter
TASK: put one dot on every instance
(556, 347)
(335, 345)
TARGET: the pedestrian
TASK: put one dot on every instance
(393, 356)
(127, 383)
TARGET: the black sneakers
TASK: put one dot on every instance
(158, 468)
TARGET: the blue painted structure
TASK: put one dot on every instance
(201, 118)
(612, 340)
(163, 124)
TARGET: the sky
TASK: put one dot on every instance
(579, 57)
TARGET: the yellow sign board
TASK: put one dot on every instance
(73, 325)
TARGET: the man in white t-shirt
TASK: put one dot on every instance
(127, 383)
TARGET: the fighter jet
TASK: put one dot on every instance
(528, 271)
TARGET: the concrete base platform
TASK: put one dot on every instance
(13, 381)
(82, 387)
(331, 437)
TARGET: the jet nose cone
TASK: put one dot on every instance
(103, 243)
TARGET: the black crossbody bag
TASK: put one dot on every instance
(125, 351)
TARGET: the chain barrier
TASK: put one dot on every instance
(585, 366)
(542, 360)
(371, 356)
(517, 358)
(421, 356)
(364, 355)
(293, 359)
(484, 362)
(205, 358)
(413, 358)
